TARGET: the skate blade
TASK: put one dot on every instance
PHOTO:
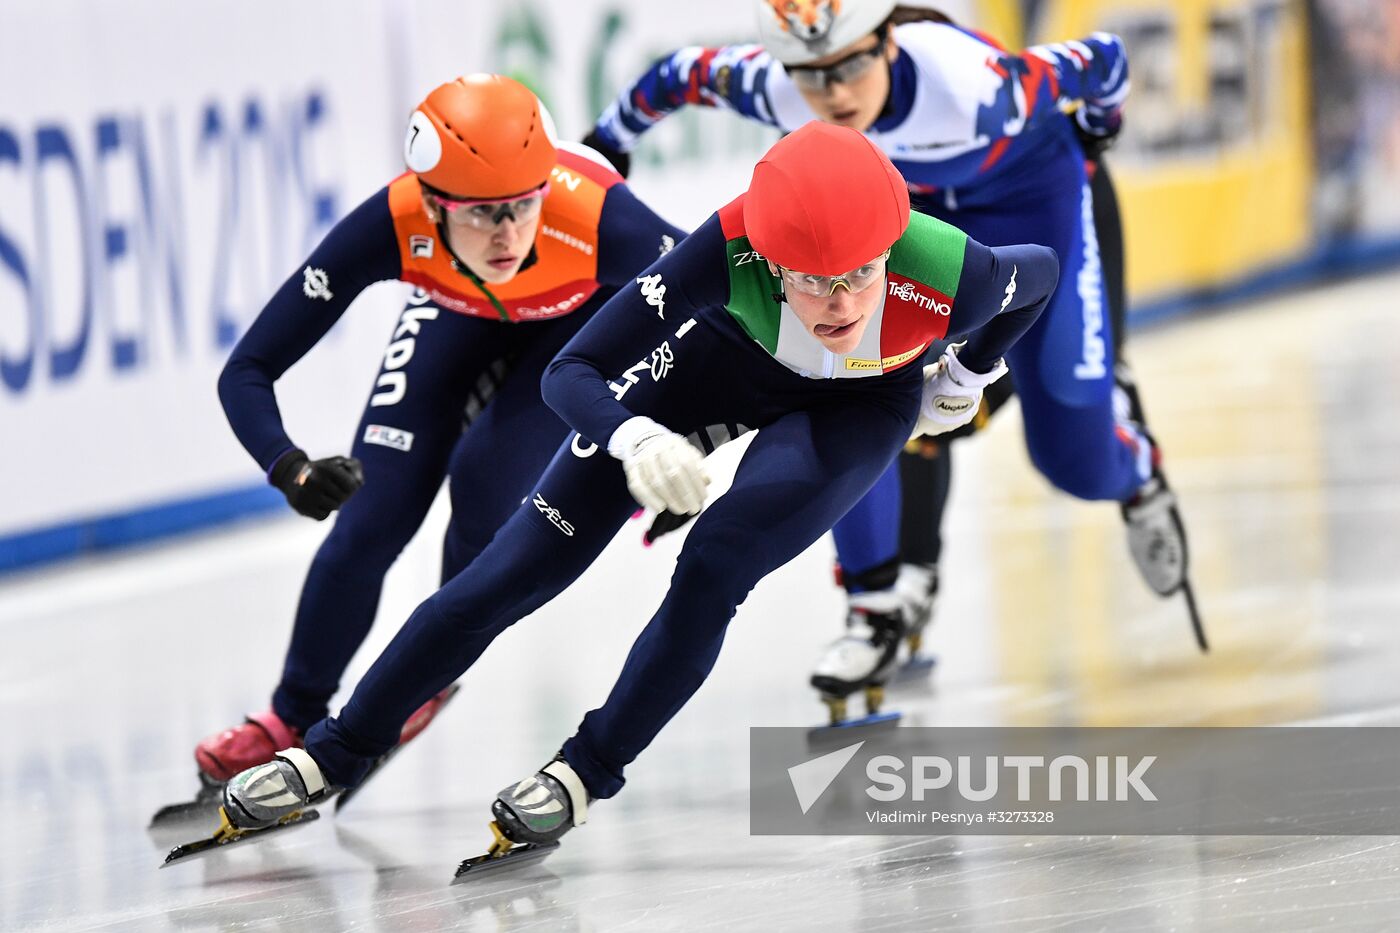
(350, 793)
(1197, 626)
(226, 836)
(844, 729)
(916, 670)
(205, 804)
(516, 857)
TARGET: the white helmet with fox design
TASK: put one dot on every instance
(799, 31)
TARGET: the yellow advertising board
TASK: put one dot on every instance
(1214, 168)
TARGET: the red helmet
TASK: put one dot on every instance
(481, 136)
(824, 200)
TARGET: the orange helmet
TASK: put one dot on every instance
(479, 137)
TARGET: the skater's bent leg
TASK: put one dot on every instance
(341, 593)
(573, 513)
(867, 537)
(799, 476)
(502, 455)
(1064, 377)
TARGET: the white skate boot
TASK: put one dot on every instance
(917, 588)
(864, 657)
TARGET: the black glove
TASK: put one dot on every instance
(620, 160)
(316, 488)
(665, 523)
(1099, 141)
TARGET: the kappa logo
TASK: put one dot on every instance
(554, 516)
(1010, 291)
(420, 246)
(668, 243)
(316, 284)
(906, 290)
(654, 292)
(385, 436)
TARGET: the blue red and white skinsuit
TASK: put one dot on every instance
(980, 137)
(454, 333)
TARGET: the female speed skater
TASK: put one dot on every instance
(986, 141)
(513, 243)
(801, 309)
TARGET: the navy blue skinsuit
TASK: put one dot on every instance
(411, 434)
(821, 443)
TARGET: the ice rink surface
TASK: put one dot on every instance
(1280, 426)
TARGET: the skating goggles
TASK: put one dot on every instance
(488, 215)
(851, 68)
(824, 286)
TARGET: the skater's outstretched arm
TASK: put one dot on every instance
(734, 77)
(586, 382)
(1004, 289)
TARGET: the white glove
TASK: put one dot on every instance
(664, 472)
(952, 393)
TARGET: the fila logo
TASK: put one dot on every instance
(316, 284)
(385, 436)
(420, 246)
(1010, 291)
(654, 292)
(554, 516)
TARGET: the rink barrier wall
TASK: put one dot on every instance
(42, 546)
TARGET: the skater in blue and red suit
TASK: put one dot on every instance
(801, 309)
(513, 243)
(993, 142)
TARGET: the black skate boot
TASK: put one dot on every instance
(1156, 533)
(530, 818)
